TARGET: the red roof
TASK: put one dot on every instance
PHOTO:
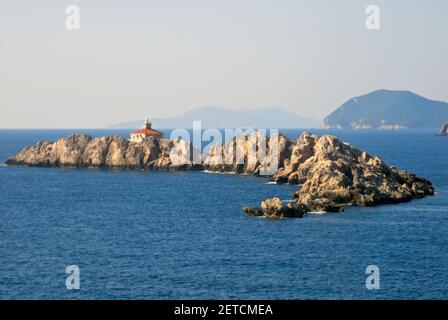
(146, 131)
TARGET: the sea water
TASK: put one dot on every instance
(183, 235)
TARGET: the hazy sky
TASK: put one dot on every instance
(161, 58)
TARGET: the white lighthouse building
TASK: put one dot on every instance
(144, 132)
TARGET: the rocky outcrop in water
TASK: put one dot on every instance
(242, 155)
(253, 211)
(334, 173)
(82, 151)
(331, 173)
(444, 130)
(277, 209)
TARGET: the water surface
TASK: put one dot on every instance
(151, 235)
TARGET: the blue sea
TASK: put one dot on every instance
(182, 235)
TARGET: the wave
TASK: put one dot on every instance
(317, 212)
(218, 172)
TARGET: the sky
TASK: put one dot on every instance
(159, 58)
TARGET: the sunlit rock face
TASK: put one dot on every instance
(253, 154)
(334, 173)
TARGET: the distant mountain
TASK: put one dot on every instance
(215, 117)
(387, 109)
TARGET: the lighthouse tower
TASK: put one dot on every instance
(145, 132)
(146, 124)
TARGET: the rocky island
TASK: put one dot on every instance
(444, 130)
(329, 173)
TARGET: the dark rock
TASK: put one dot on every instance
(444, 130)
(253, 211)
(275, 208)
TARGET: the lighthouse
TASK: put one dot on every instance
(145, 132)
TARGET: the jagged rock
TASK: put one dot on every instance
(253, 211)
(301, 151)
(335, 173)
(444, 130)
(275, 208)
(68, 151)
(252, 154)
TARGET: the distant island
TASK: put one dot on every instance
(388, 109)
(217, 117)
